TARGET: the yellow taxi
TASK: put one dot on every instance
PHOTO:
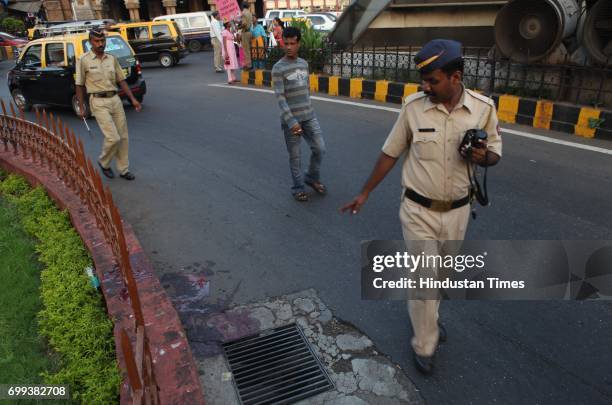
(45, 70)
(160, 41)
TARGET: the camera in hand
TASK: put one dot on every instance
(473, 138)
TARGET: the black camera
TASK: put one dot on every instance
(473, 138)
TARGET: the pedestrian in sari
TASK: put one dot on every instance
(229, 53)
(258, 41)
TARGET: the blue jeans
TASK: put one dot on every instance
(314, 138)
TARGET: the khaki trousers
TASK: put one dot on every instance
(110, 116)
(218, 60)
(426, 231)
(245, 40)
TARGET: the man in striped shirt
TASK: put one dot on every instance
(298, 120)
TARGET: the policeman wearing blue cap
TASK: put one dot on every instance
(435, 204)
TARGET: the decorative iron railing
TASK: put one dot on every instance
(485, 70)
(51, 145)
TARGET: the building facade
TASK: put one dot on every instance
(142, 10)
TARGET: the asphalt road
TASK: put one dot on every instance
(212, 192)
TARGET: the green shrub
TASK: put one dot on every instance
(12, 25)
(312, 47)
(311, 38)
(14, 186)
(73, 318)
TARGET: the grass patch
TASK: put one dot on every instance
(22, 352)
(72, 318)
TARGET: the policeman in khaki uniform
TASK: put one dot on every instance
(99, 73)
(435, 205)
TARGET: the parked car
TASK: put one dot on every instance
(45, 71)
(272, 14)
(322, 21)
(194, 26)
(7, 39)
(16, 43)
(160, 41)
(47, 28)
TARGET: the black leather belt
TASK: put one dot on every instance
(105, 94)
(436, 205)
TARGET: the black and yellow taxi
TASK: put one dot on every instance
(160, 41)
(45, 70)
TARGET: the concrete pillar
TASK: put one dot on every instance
(155, 8)
(133, 7)
(195, 5)
(98, 9)
(170, 6)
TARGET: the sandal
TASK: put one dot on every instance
(317, 186)
(127, 176)
(108, 172)
(301, 196)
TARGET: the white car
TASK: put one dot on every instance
(322, 21)
(272, 14)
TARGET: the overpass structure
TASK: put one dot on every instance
(414, 22)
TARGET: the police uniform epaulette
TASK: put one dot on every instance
(413, 97)
(481, 97)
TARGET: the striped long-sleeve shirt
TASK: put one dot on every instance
(290, 80)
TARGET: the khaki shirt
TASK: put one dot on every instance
(246, 20)
(433, 166)
(98, 75)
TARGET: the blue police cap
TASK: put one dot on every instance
(437, 54)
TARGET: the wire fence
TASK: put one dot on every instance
(485, 70)
(52, 146)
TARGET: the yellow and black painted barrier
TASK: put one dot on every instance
(574, 119)
(7, 52)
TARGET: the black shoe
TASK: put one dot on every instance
(424, 363)
(127, 176)
(442, 336)
(107, 172)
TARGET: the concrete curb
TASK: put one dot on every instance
(573, 119)
(174, 367)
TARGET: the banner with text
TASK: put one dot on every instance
(228, 9)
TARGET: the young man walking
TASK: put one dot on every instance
(298, 120)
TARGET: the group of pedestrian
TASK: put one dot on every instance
(242, 44)
(428, 133)
(437, 192)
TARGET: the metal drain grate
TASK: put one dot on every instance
(277, 366)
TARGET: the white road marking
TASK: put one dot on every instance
(557, 141)
(330, 100)
(397, 110)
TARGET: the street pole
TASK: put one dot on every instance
(74, 16)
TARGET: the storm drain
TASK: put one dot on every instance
(277, 366)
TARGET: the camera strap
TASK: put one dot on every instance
(476, 190)
(480, 193)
